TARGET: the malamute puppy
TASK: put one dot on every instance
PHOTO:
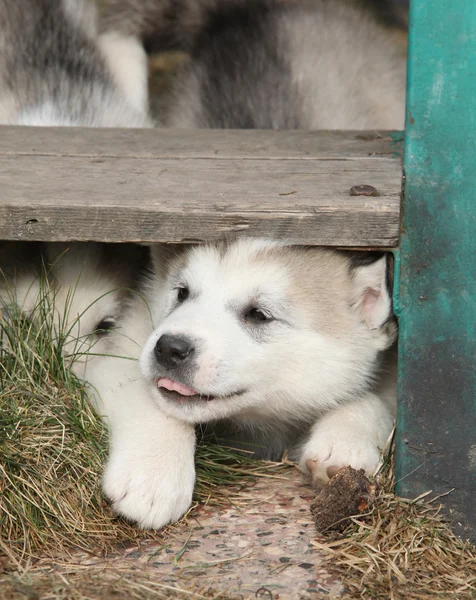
(289, 347)
(274, 64)
(317, 64)
(81, 289)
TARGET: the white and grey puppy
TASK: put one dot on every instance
(275, 64)
(288, 346)
(319, 64)
(56, 70)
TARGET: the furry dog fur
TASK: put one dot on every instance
(289, 347)
(56, 70)
(274, 64)
(306, 65)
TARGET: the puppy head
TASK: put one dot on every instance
(76, 291)
(86, 296)
(255, 330)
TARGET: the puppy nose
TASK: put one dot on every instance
(173, 350)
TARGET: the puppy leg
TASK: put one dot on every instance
(127, 61)
(354, 434)
(150, 472)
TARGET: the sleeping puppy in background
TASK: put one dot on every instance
(76, 291)
(287, 347)
(273, 64)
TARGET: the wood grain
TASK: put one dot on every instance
(174, 186)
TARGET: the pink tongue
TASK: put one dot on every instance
(175, 386)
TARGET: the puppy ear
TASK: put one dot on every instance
(371, 296)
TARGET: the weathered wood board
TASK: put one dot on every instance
(176, 186)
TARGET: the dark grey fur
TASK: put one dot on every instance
(307, 65)
(52, 71)
(173, 24)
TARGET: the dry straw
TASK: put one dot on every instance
(402, 549)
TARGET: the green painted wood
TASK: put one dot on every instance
(436, 305)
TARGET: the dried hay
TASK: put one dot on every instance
(402, 549)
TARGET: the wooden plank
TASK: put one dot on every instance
(101, 188)
(178, 143)
(436, 443)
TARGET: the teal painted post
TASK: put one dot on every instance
(436, 302)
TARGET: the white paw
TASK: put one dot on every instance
(353, 435)
(149, 488)
(324, 456)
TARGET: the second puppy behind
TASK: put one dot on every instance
(305, 65)
(261, 64)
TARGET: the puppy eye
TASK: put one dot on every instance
(105, 325)
(182, 294)
(255, 315)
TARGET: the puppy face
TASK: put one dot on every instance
(255, 330)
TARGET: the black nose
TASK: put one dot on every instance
(173, 350)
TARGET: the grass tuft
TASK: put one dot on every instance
(52, 445)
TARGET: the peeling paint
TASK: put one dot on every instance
(472, 458)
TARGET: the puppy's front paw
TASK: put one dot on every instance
(323, 457)
(151, 489)
(353, 435)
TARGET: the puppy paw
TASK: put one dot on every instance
(353, 435)
(324, 457)
(150, 489)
